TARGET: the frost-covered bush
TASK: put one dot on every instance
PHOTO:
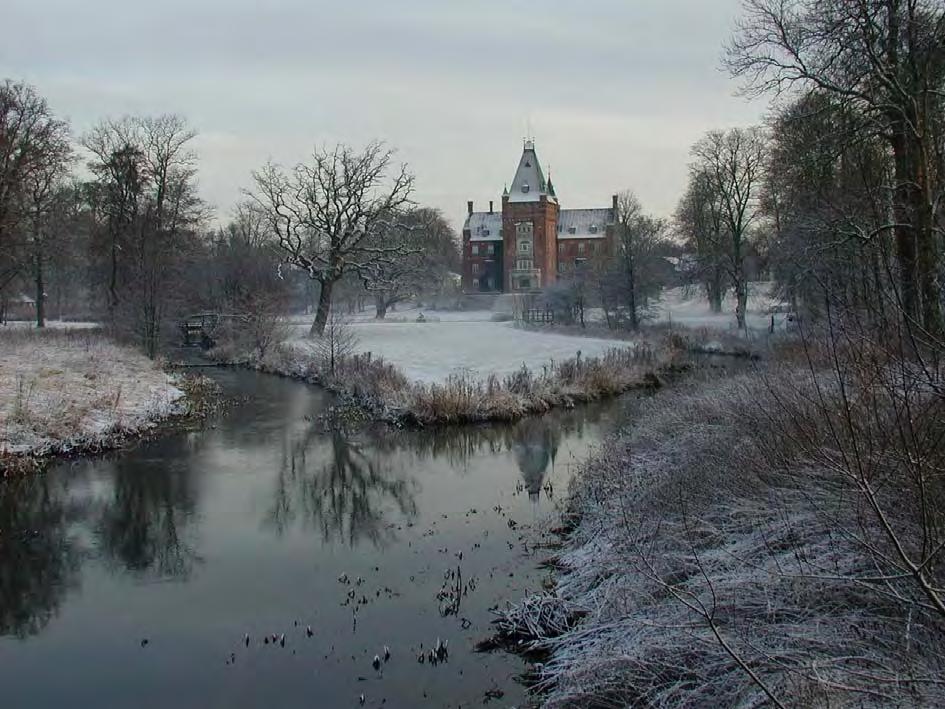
(728, 553)
(388, 394)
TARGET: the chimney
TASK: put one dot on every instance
(469, 206)
(615, 205)
(490, 206)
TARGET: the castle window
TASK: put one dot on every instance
(560, 247)
(524, 247)
(490, 249)
(524, 264)
(475, 282)
(581, 248)
(475, 249)
(475, 268)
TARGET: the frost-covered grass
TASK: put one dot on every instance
(63, 392)
(723, 556)
(50, 325)
(381, 388)
(688, 307)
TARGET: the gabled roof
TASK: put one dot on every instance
(529, 183)
(584, 223)
(484, 226)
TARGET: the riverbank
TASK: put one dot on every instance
(382, 392)
(728, 551)
(732, 343)
(74, 392)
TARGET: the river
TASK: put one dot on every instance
(133, 579)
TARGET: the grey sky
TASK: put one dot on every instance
(615, 90)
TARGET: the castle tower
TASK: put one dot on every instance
(529, 227)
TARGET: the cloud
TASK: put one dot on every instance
(615, 92)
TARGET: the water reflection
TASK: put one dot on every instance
(137, 510)
(352, 487)
(345, 489)
(535, 449)
(142, 525)
(39, 559)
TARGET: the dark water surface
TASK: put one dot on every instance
(194, 539)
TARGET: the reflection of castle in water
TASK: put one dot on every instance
(535, 448)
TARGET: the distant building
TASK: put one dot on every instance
(532, 241)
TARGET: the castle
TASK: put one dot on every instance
(532, 241)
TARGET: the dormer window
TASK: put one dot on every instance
(572, 230)
(525, 187)
(485, 232)
(593, 228)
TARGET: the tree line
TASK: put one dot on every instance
(109, 225)
(837, 197)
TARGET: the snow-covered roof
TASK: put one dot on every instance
(529, 183)
(584, 223)
(484, 226)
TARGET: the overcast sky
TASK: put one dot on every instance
(614, 91)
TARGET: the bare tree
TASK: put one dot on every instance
(731, 164)
(429, 252)
(45, 190)
(32, 143)
(886, 60)
(115, 195)
(699, 219)
(146, 193)
(638, 237)
(328, 216)
(335, 342)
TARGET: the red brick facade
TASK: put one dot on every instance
(543, 216)
(532, 241)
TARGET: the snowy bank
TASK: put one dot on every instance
(377, 387)
(67, 392)
(722, 555)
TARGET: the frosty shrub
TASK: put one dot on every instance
(463, 398)
(770, 539)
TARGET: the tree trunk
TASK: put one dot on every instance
(324, 307)
(741, 302)
(113, 282)
(906, 236)
(40, 291)
(631, 289)
(380, 307)
(713, 289)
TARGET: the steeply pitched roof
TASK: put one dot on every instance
(484, 226)
(529, 184)
(584, 223)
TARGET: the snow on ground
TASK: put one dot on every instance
(50, 325)
(431, 351)
(688, 307)
(66, 391)
(406, 314)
